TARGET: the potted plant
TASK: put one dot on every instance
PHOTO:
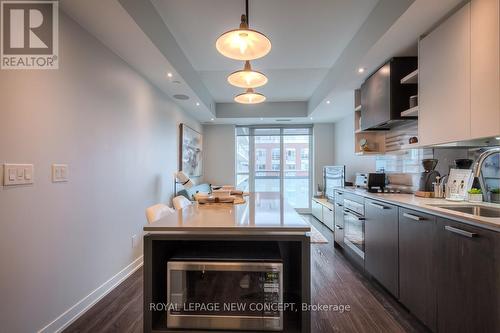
(475, 195)
(495, 195)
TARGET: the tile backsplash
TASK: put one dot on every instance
(403, 169)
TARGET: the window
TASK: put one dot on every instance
(304, 154)
(276, 154)
(260, 159)
(260, 153)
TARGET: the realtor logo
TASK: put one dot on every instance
(29, 34)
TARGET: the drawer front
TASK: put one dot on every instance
(417, 266)
(328, 218)
(339, 225)
(381, 243)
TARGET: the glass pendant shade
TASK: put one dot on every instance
(243, 43)
(247, 78)
(250, 97)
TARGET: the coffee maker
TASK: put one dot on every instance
(429, 176)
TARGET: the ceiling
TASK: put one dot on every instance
(307, 38)
(318, 45)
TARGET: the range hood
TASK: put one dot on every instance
(383, 97)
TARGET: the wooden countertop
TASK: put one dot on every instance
(324, 202)
(263, 212)
(428, 205)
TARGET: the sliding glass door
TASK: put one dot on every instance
(275, 159)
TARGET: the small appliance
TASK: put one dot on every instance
(334, 177)
(354, 227)
(203, 286)
(429, 176)
(361, 180)
(376, 182)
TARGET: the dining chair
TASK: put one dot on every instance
(156, 212)
(180, 202)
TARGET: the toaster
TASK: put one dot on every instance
(376, 182)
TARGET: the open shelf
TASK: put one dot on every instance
(412, 112)
(410, 146)
(411, 78)
(366, 153)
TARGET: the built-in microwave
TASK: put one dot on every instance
(225, 295)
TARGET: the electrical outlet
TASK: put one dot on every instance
(59, 173)
(135, 240)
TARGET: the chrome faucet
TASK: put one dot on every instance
(478, 167)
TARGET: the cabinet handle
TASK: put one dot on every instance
(338, 227)
(339, 205)
(414, 217)
(460, 232)
(359, 218)
(378, 206)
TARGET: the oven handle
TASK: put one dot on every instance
(353, 215)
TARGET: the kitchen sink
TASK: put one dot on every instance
(473, 210)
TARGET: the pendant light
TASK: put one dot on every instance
(243, 43)
(247, 78)
(250, 97)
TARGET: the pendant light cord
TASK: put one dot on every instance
(246, 10)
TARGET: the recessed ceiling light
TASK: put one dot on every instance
(212, 119)
(361, 70)
(181, 97)
(197, 104)
(169, 74)
(327, 102)
(311, 118)
(263, 119)
(498, 138)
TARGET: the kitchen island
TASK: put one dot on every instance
(263, 232)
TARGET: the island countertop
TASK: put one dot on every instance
(262, 212)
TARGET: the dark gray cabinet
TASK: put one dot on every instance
(381, 243)
(339, 224)
(417, 265)
(338, 234)
(468, 290)
(383, 97)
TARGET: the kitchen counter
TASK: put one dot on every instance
(428, 205)
(262, 212)
(324, 202)
(235, 233)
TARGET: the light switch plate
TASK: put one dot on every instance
(59, 173)
(18, 174)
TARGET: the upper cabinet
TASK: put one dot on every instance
(459, 76)
(383, 97)
(485, 68)
(444, 81)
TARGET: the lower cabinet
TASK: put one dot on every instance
(468, 289)
(339, 224)
(381, 243)
(317, 210)
(328, 217)
(417, 265)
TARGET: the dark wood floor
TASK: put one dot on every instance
(334, 281)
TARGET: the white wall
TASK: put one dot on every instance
(323, 140)
(219, 154)
(343, 149)
(119, 135)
